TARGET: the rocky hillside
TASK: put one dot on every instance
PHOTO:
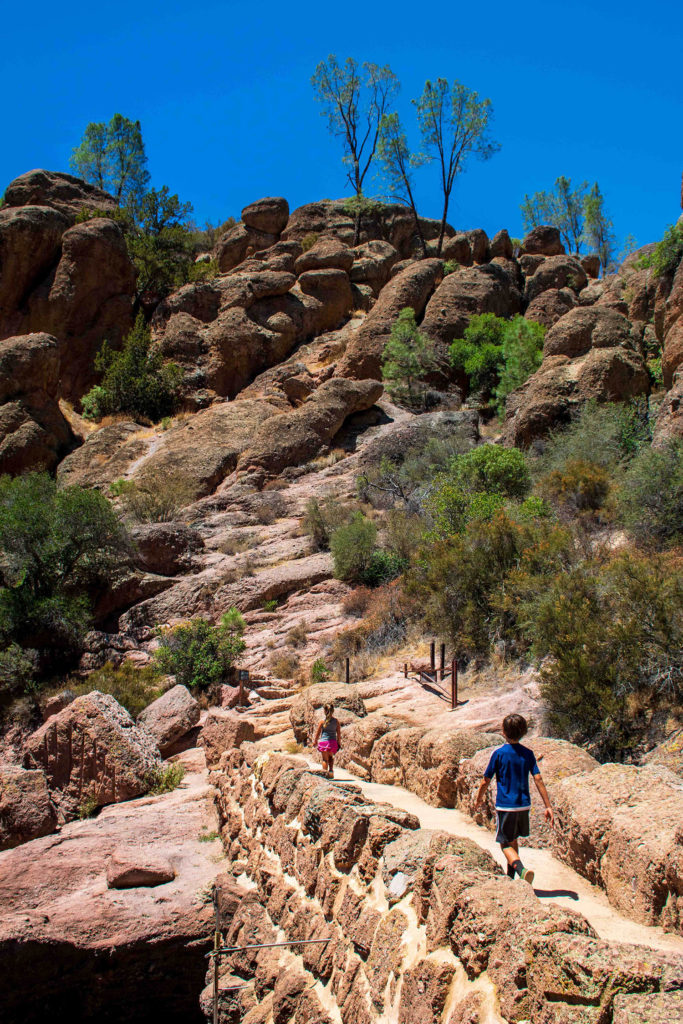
(222, 516)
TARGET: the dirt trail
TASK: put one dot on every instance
(555, 882)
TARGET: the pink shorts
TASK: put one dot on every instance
(328, 746)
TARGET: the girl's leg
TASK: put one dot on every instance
(331, 762)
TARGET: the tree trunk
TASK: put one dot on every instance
(442, 230)
(356, 229)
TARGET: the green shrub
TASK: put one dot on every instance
(522, 355)
(309, 240)
(135, 381)
(494, 470)
(134, 687)
(199, 654)
(651, 496)
(322, 518)
(352, 546)
(667, 254)
(408, 358)
(578, 487)
(383, 567)
(498, 355)
(157, 497)
(319, 671)
(270, 606)
(450, 267)
(18, 671)
(58, 548)
(606, 435)
(165, 778)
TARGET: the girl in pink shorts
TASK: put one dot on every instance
(328, 739)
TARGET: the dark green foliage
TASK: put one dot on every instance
(135, 380)
(667, 254)
(133, 686)
(199, 654)
(612, 635)
(57, 548)
(322, 518)
(651, 495)
(498, 355)
(383, 567)
(161, 244)
(352, 547)
(408, 359)
(493, 469)
(112, 157)
(319, 671)
(607, 435)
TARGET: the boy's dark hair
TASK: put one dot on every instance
(514, 727)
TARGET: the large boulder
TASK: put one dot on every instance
(588, 354)
(58, 191)
(92, 752)
(328, 252)
(170, 717)
(372, 263)
(426, 761)
(359, 737)
(223, 731)
(672, 354)
(34, 435)
(304, 712)
(669, 422)
(552, 304)
(543, 240)
(621, 827)
(238, 243)
(391, 223)
(332, 299)
(166, 548)
(668, 753)
(557, 759)
(464, 293)
(296, 436)
(412, 287)
(26, 810)
(135, 867)
(556, 272)
(269, 215)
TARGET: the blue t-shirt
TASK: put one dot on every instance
(511, 765)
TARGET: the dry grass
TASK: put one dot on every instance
(298, 635)
(284, 665)
(237, 543)
(357, 602)
(292, 747)
(270, 507)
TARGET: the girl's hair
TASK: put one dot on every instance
(514, 727)
(329, 711)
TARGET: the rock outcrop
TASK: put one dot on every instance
(92, 751)
(26, 810)
(464, 293)
(305, 711)
(170, 717)
(224, 731)
(58, 191)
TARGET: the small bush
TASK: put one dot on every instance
(309, 240)
(356, 602)
(236, 543)
(319, 671)
(88, 807)
(383, 567)
(352, 546)
(200, 655)
(157, 497)
(135, 380)
(292, 747)
(270, 606)
(407, 361)
(579, 487)
(270, 507)
(322, 518)
(606, 435)
(133, 686)
(651, 497)
(298, 635)
(284, 665)
(521, 357)
(165, 778)
(492, 469)
(450, 267)
(667, 254)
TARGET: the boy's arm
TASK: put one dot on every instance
(481, 793)
(540, 786)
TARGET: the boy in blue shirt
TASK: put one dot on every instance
(512, 764)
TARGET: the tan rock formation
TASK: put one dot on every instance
(170, 717)
(134, 867)
(223, 731)
(543, 240)
(26, 810)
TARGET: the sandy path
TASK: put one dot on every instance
(555, 882)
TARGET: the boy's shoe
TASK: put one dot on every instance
(527, 875)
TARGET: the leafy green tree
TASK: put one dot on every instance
(354, 100)
(598, 228)
(112, 156)
(199, 654)
(493, 469)
(58, 548)
(455, 125)
(521, 356)
(161, 244)
(563, 207)
(352, 547)
(408, 358)
(135, 380)
(398, 166)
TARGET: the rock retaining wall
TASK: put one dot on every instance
(422, 926)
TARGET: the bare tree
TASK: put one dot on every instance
(455, 125)
(354, 100)
(398, 164)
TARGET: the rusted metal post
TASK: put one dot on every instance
(216, 950)
(348, 672)
(442, 662)
(405, 669)
(432, 656)
(454, 684)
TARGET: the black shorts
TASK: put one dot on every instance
(510, 825)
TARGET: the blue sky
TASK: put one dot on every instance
(590, 90)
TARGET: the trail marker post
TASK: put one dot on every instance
(243, 677)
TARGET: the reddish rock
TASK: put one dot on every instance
(92, 750)
(591, 264)
(501, 245)
(26, 811)
(358, 739)
(556, 272)
(58, 191)
(458, 248)
(133, 867)
(584, 329)
(649, 1008)
(332, 291)
(166, 548)
(669, 753)
(672, 355)
(53, 705)
(170, 717)
(386, 954)
(424, 992)
(606, 830)
(372, 263)
(269, 215)
(238, 243)
(543, 240)
(479, 246)
(224, 730)
(297, 436)
(390, 222)
(529, 264)
(327, 253)
(412, 287)
(464, 293)
(552, 304)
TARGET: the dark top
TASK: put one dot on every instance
(329, 730)
(511, 764)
